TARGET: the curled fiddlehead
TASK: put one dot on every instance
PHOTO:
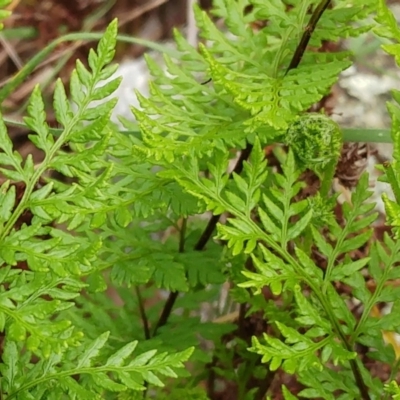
(316, 141)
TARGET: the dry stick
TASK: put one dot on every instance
(11, 52)
(191, 29)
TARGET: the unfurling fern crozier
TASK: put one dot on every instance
(316, 141)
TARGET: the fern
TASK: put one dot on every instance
(56, 258)
(388, 29)
(115, 375)
(268, 101)
(87, 259)
(46, 258)
(250, 87)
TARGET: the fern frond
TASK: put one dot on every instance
(26, 313)
(297, 352)
(389, 29)
(358, 218)
(383, 269)
(316, 382)
(118, 373)
(249, 85)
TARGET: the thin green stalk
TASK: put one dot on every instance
(366, 135)
(88, 25)
(33, 63)
(49, 79)
(20, 33)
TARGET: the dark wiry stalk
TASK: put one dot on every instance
(143, 315)
(309, 29)
(169, 304)
(182, 235)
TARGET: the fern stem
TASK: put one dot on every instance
(296, 59)
(300, 50)
(30, 186)
(62, 139)
(265, 384)
(326, 178)
(210, 383)
(169, 305)
(353, 363)
(143, 315)
(182, 235)
(328, 309)
(362, 387)
(335, 254)
(166, 312)
(309, 29)
(205, 236)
